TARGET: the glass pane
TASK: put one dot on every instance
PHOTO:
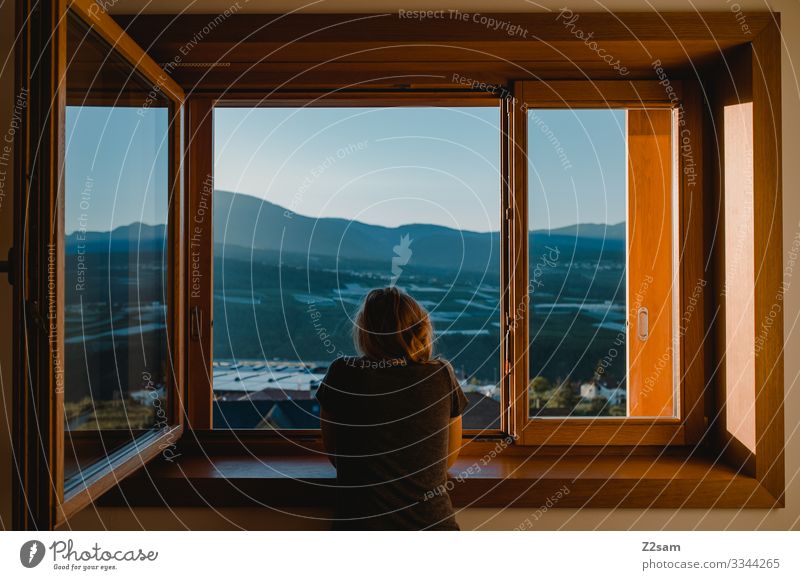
(577, 182)
(313, 207)
(115, 222)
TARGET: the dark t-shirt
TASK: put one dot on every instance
(390, 422)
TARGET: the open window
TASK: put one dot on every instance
(595, 354)
(313, 203)
(99, 298)
(557, 301)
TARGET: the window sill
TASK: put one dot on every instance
(507, 480)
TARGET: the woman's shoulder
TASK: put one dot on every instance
(342, 363)
(443, 369)
(338, 375)
(441, 362)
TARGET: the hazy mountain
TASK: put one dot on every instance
(252, 222)
(247, 221)
(588, 230)
(243, 222)
(136, 237)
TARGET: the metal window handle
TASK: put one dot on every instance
(7, 266)
(642, 323)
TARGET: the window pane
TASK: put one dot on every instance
(577, 182)
(115, 219)
(313, 207)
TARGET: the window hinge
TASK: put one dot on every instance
(507, 349)
(509, 100)
(195, 323)
(32, 307)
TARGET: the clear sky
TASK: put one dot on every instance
(116, 167)
(387, 166)
(577, 169)
(431, 165)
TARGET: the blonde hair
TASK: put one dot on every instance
(391, 324)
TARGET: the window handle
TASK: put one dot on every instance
(642, 323)
(7, 266)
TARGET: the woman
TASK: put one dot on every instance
(391, 421)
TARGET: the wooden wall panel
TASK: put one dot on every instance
(744, 100)
(737, 121)
(768, 250)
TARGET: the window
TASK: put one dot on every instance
(595, 345)
(116, 209)
(315, 206)
(119, 381)
(600, 268)
(100, 292)
(577, 322)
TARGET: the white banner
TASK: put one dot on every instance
(390, 555)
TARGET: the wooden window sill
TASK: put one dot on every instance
(644, 481)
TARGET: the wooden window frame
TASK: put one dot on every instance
(119, 463)
(684, 429)
(200, 242)
(39, 368)
(687, 427)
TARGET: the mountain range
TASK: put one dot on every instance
(244, 222)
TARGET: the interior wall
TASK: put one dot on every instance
(486, 519)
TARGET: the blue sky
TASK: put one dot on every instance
(577, 169)
(116, 167)
(421, 164)
(387, 166)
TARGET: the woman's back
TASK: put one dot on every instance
(389, 420)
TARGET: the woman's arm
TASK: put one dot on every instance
(328, 441)
(453, 440)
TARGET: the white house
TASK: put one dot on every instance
(593, 390)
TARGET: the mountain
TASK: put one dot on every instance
(135, 237)
(246, 224)
(265, 226)
(588, 230)
(261, 225)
